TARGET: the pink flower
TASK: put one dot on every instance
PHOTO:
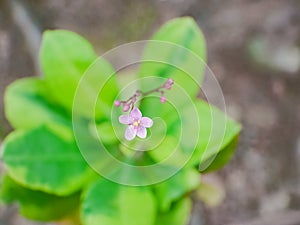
(136, 124)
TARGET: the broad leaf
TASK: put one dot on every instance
(180, 138)
(217, 139)
(176, 187)
(110, 204)
(178, 215)
(218, 161)
(65, 57)
(37, 205)
(41, 160)
(177, 51)
(28, 105)
(215, 133)
(96, 91)
(168, 152)
(105, 133)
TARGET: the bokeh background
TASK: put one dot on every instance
(253, 49)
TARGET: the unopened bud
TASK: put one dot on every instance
(117, 103)
(162, 99)
(133, 99)
(170, 81)
(126, 107)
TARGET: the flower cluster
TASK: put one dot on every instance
(137, 124)
(128, 104)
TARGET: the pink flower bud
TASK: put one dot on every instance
(133, 99)
(168, 86)
(126, 107)
(170, 81)
(117, 103)
(162, 99)
(137, 93)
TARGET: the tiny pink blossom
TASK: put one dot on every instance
(126, 107)
(117, 103)
(168, 84)
(136, 124)
(163, 99)
(170, 81)
(133, 99)
(137, 93)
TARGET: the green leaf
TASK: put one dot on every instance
(216, 132)
(179, 214)
(65, 57)
(110, 204)
(179, 43)
(96, 92)
(105, 132)
(176, 187)
(27, 105)
(180, 138)
(37, 205)
(224, 155)
(41, 160)
(177, 51)
(202, 134)
(166, 148)
(217, 139)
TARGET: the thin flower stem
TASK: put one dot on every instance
(128, 104)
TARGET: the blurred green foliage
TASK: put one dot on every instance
(45, 171)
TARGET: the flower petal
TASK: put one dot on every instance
(136, 114)
(141, 132)
(124, 119)
(130, 133)
(146, 122)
